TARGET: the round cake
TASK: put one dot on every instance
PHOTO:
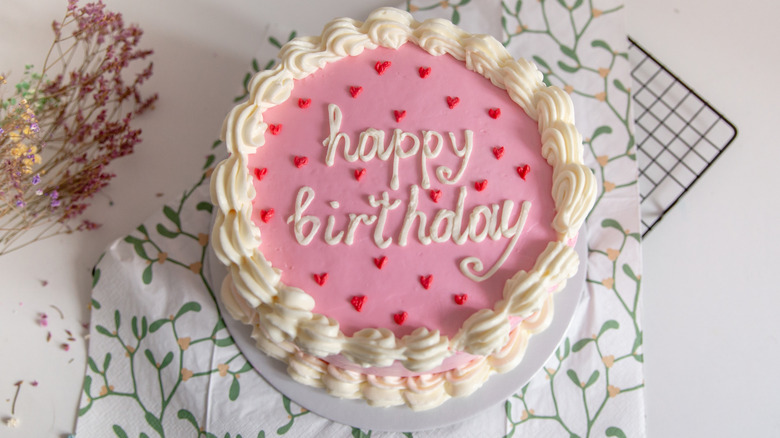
(398, 208)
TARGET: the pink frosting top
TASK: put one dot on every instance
(417, 285)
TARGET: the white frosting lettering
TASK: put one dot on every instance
(429, 153)
(379, 240)
(443, 173)
(371, 144)
(400, 153)
(411, 215)
(377, 139)
(483, 221)
(334, 136)
(436, 231)
(467, 263)
(474, 235)
(330, 239)
(493, 221)
(354, 221)
(302, 201)
(458, 236)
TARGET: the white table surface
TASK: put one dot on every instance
(710, 296)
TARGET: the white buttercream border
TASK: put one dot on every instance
(285, 313)
(419, 393)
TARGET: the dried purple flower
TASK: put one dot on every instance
(83, 108)
(88, 225)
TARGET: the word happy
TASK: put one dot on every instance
(395, 150)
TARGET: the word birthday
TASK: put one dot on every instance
(494, 221)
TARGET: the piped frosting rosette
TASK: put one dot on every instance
(285, 325)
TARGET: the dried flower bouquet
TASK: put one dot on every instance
(61, 127)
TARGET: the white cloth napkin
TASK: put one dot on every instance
(161, 362)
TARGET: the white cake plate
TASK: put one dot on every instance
(359, 414)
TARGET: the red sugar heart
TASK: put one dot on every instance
(266, 215)
(424, 72)
(494, 112)
(452, 102)
(359, 173)
(498, 151)
(399, 115)
(426, 281)
(260, 173)
(481, 185)
(400, 317)
(380, 66)
(380, 262)
(358, 301)
(304, 103)
(300, 161)
(275, 129)
(460, 299)
(321, 279)
(435, 195)
(354, 91)
(523, 171)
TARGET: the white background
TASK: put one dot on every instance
(710, 297)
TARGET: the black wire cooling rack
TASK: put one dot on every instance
(678, 134)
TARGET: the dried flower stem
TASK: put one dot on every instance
(16, 395)
(62, 316)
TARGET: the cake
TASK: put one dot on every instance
(398, 208)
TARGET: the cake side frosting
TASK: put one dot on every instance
(285, 313)
(419, 392)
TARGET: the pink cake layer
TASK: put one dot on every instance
(351, 269)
